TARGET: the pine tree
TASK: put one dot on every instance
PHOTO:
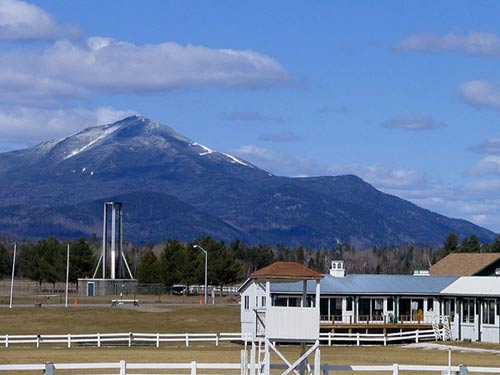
(82, 260)
(5, 262)
(173, 263)
(450, 244)
(149, 270)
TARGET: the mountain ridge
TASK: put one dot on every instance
(141, 159)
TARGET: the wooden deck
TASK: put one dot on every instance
(374, 326)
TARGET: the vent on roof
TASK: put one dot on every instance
(338, 269)
(421, 273)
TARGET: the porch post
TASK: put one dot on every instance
(396, 309)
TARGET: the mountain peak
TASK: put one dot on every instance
(136, 154)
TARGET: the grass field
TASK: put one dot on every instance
(185, 318)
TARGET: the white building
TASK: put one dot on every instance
(388, 303)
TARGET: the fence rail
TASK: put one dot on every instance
(156, 339)
(193, 368)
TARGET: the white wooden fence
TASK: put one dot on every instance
(186, 339)
(195, 368)
(130, 338)
(359, 338)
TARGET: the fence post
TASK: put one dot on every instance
(49, 368)
(37, 341)
(244, 362)
(98, 340)
(462, 370)
(385, 338)
(158, 340)
(69, 340)
(6, 341)
(357, 338)
(252, 359)
(129, 339)
(317, 362)
(123, 367)
(416, 336)
(187, 340)
(193, 368)
(395, 369)
(329, 338)
(217, 339)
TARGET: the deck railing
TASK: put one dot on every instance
(379, 319)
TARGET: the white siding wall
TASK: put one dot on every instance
(290, 323)
(254, 294)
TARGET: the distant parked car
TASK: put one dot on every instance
(178, 289)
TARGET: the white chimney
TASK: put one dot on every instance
(338, 269)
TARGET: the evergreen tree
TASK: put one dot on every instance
(494, 247)
(5, 262)
(149, 270)
(173, 263)
(450, 244)
(470, 245)
(82, 260)
(45, 261)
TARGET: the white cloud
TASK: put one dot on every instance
(485, 186)
(22, 21)
(473, 43)
(490, 145)
(489, 165)
(252, 116)
(480, 94)
(68, 69)
(282, 163)
(418, 121)
(114, 66)
(478, 202)
(24, 126)
(279, 137)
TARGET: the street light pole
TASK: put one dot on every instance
(206, 268)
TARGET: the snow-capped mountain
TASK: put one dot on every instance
(172, 186)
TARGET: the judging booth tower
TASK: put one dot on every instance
(288, 324)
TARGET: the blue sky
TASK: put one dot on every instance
(405, 94)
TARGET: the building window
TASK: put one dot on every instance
(390, 304)
(489, 312)
(280, 301)
(247, 302)
(349, 304)
(430, 304)
(468, 311)
(449, 307)
(263, 301)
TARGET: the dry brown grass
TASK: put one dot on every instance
(146, 318)
(185, 318)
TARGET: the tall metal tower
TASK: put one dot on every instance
(115, 221)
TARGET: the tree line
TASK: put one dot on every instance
(175, 262)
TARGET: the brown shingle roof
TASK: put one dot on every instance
(286, 271)
(463, 264)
